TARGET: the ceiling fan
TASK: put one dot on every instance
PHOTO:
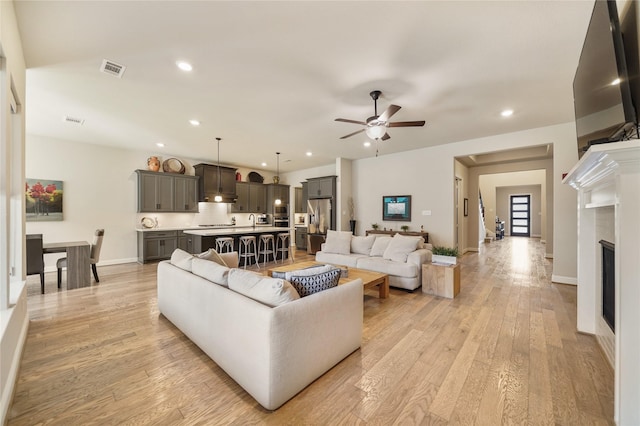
(376, 125)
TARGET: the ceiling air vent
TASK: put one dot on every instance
(111, 68)
(73, 120)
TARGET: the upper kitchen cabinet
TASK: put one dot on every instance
(185, 194)
(164, 192)
(276, 191)
(252, 198)
(298, 201)
(209, 185)
(322, 187)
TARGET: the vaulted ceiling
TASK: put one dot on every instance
(273, 76)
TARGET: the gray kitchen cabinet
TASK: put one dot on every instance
(164, 192)
(252, 198)
(305, 197)
(156, 245)
(257, 198)
(185, 242)
(155, 192)
(298, 200)
(277, 191)
(301, 238)
(186, 194)
(322, 187)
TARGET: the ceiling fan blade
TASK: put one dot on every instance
(354, 133)
(406, 124)
(345, 120)
(385, 137)
(386, 115)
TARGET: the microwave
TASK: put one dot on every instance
(281, 210)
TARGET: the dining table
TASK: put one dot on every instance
(78, 265)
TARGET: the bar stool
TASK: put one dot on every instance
(247, 247)
(224, 244)
(282, 245)
(265, 247)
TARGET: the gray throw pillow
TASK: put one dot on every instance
(310, 284)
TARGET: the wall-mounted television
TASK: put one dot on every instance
(396, 207)
(602, 95)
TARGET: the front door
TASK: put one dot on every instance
(520, 216)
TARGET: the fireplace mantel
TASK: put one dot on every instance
(608, 176)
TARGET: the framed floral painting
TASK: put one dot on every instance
(43, 200)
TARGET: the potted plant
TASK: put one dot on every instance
(444, 255)
(375, 226)
(404, 228)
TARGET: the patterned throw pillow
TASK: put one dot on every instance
(306, 285)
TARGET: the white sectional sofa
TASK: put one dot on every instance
(272, 352)
(401, 257)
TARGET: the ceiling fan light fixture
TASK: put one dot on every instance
(376, 132)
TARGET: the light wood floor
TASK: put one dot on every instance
(505, 351)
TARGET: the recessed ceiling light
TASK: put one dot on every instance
(615, 82)
(367, 144)
(184, 66)
(194, 122)
(160, 144)
(263, 164)
(309, 153)
(507, 113)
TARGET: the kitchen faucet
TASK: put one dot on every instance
(254, 219)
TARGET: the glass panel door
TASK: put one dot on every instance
(520, 215)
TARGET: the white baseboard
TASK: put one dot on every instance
(564, 280)
(548, 255)
(101, 263)
(543, 241)
(471, 249)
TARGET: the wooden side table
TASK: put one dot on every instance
(440, 279)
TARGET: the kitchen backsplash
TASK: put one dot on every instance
(209, 214)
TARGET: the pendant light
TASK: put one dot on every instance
(276, 179)
(218, 197)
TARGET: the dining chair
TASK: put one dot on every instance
(94, 256)
(35, 257)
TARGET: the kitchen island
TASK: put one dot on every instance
(204, 239)
(159, 243)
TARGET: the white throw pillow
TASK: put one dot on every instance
(212, 271)
(212, 255)
(313, 270)
(338, 242)
(181, 259)
(270, 291)
(379, 246)
(362, 245)
(400, 247)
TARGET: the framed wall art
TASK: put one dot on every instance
(43, 200)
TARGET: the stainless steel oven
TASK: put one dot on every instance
(281, 221)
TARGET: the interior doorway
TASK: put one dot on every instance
(520, 217)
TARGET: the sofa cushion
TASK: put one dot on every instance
(270, 291)
(306, 285)
(212, 255)
(338, 242)
(389, 267)
(379, 246)
(339, 259)
(210, 270)
(362, 245)
(181, 259)
(400, 247)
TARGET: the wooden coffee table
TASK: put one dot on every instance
(369, 278)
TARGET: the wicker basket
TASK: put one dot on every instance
(173, 165)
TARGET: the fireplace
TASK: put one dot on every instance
(608, 283)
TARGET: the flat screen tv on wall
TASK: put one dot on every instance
(396, 207)
(602, 95)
